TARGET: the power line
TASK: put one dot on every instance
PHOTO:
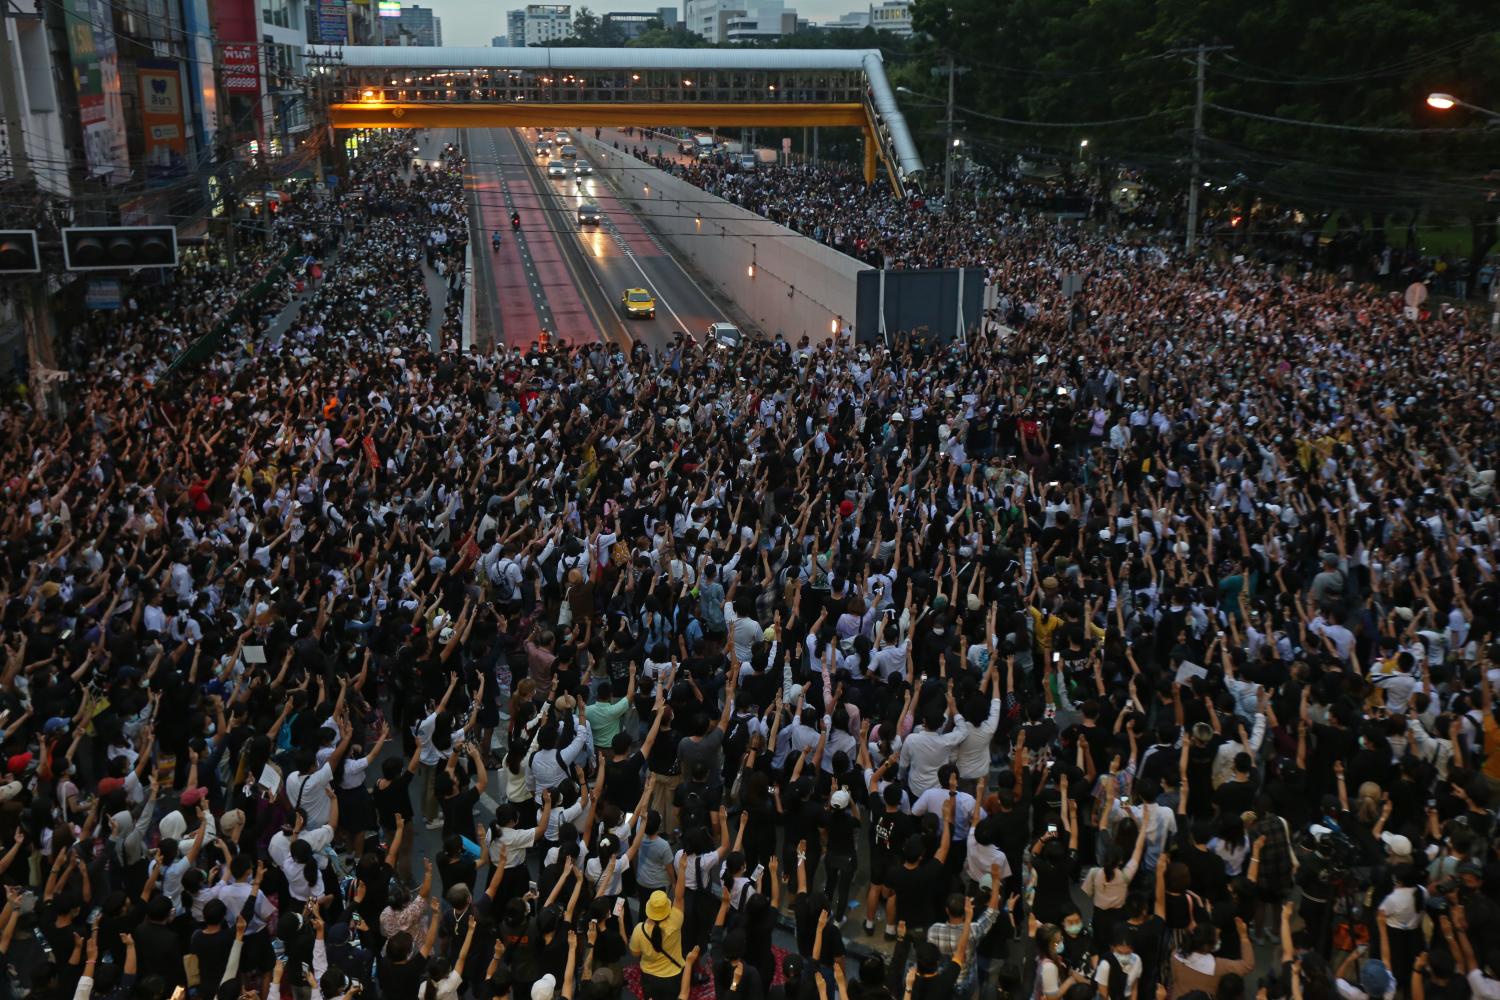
(1366, 129)
(1391, 69)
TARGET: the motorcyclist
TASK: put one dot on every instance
(495, 240)
(515, 220)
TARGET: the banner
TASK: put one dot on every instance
(96, 76)
(333, 22)
(162, 116)
(241, 65)
(390, 8)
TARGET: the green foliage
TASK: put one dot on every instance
(1364, 63)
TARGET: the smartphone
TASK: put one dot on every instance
(759, 871)
(619, 906)
(1051, 828)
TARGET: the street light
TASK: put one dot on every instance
(1447, 102)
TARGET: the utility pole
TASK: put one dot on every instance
(1195, 183)
(952, 72)
(36, 310)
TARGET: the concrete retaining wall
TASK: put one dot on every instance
(798, 285)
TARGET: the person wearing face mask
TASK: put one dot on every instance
(1078, 941)
(1054, 977)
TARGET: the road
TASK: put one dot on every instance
(555, 275)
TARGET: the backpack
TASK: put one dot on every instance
(505, 587)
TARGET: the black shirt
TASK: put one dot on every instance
(916, 903)
(622, 781)
(394, 800)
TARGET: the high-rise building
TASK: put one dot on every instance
(763, 19)
(893, 16)
(515, 28)
(418, 26)
(751, 19)
(668, 17)
(707, 17)
(548, 22)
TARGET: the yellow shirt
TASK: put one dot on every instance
(668, 961)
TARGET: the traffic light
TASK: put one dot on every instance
(18, 252)
(112, 248)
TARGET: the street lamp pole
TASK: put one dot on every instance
(1446, 102)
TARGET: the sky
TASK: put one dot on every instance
(475, 22)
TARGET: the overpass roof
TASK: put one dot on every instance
(868, 61)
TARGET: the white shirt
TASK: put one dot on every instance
(306, 792)
(981, 856)
(973, 755)
(924, 752)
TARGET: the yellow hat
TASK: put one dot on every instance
(658, 906)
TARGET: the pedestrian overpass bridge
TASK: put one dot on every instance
(426, 87)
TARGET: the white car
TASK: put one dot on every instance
(747, 161)
(583, 168)
(557, 168)
(724, 335)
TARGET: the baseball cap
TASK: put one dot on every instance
(1397, 844)
(544, 988)
(839, 799)
(658, 906)
(193, 796)
(10, 790)
(1375, 979)
(1471, 868)
(846, 507)
(19, 762)
(109, 786)
(56, 724)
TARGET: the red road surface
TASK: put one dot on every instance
(518, 320)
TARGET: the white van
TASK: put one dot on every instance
(704, 144)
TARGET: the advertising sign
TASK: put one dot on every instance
(162, 118)
(241, 65)
(333, 22)
(390, 8)
(96, 75)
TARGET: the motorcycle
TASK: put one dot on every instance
(495, 242)
(515, 221)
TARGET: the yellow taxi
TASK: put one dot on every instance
(638, 302)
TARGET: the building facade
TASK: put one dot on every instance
(628, 24)
(515, 28)
(855, 20)
(893, 16)
(419, 26)
(547, 22)
(768, 19)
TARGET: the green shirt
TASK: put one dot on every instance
(604, 719)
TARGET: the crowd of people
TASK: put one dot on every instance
(1139, 646)
(829, 201)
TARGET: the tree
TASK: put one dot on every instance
(667, 38)
(586, 27)
(1317, 104)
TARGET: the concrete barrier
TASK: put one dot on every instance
(782, 281)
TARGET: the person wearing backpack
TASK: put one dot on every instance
(657, 941)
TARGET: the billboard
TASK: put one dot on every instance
(96, 76)
(162, 119)
(333, 22)
(935, 303)
(241, 63)
(390, 8)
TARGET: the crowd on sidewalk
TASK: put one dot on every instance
(1084, 658)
